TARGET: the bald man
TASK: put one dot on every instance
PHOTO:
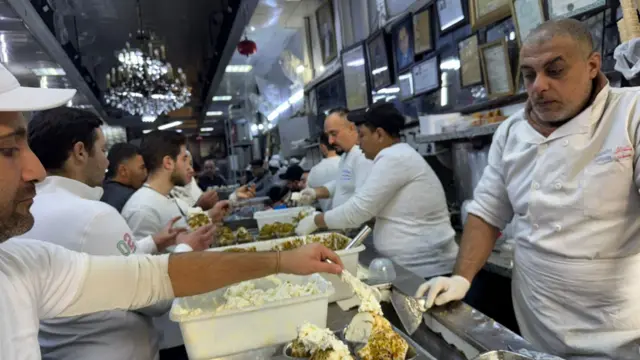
(565, 169)
(354, 167)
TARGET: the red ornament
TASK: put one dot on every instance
(247, 47)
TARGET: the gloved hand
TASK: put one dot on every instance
(307, 196)
(441, 290)
(307, 225)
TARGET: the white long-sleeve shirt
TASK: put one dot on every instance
(40, 281)
(412, 219)
(324, 172)
(68, 213)
(354, 168)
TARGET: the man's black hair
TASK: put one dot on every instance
(53, 134)
(118, 154)
(158, 144)
(324, 140)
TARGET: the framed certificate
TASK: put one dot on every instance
(355, 71)
(485, 12)
(405, 83)
(496, 69)
(377, 51)
(422, 39)
(570, 8)
(527, 15)
(470, 67)
(403, 44)
(450, 13)
(426, 76)
(326, 32)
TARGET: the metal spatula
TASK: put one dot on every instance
(408, 311)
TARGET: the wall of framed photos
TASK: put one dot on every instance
(455, 55)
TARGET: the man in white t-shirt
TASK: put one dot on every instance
(354, 167)
(326, 170)
(67, 212)
(41, 281)
(151, 206)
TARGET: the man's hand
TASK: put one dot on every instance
(219, 211)
(441, 290)
(207, 200)
(200, 239)
(310, 259)
(246, 192)
(307, 225)
(307, 196)
(168, 235)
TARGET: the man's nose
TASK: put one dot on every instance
(32, 169)
(540, 84)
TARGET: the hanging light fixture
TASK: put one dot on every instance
(144, 83)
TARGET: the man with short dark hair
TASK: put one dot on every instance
(326, 170)
(210, 177)
(404, 195)
(126, 174)
(262, 178)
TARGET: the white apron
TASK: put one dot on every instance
(563, 305)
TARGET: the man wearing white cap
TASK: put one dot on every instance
(43, 281)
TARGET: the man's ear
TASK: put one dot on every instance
(380, 133)
(168, 163)
(79, 152)
(595, 62)
(123, 171)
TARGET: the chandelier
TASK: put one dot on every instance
(144, 83)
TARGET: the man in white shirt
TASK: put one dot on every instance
(147, 210)
(354, 167)
(326, 170)
(191, 193)
(67, 212)
(403, 193)
(566, 170)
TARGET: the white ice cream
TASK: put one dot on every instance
(245, 294)
(195, 211)
(369, 297)
(315, 338)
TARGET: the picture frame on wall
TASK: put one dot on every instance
(450, 14)
(486, 12)
(403, 51)
(426, 76)
(559, 9)
(470, 66)
(527, 15)
(326, 32)
(356, 77)
(496, 70)
(381, 73)
(422, 34)
(405, 83)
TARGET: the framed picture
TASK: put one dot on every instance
(403, 44)
(422, 39)
(470, 67)
(485, 12)
(426, 76)
(496, 70)
(378, 54)
(527, 15)
(355, 71)
(405, 83)
(570, 8)
(326, 32)
(450, 14)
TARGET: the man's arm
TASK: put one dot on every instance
(478, 240)
(362, 169)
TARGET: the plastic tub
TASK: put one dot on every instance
(212, 335)
(284, 216)
(349, 259)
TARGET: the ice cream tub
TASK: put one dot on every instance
(210, 334)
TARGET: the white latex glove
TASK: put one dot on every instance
(441, 290)
(307, 196)
(307, 225)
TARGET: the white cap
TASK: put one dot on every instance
(14, 97)
(294, 161)
(274, 163)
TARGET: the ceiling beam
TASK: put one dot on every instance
(48, 41)
(232, 31)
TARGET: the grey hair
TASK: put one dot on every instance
(572, 28)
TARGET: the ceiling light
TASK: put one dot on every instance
(300, 69)
(238, 68)
(379, 70)
(450, 64)
(260, 127)
(205, 129)
(390, 90)
(222, 98)
(214, 113)
(149, 118)
(147, 131)
(321, 68)
(48, 72)
(356, 63)
(253, 28)
(270, 126)
(169, 125)
(405, 76)
(254, 127)
(178, 130)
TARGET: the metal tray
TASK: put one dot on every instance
(501, 355)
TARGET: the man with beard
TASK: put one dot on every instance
(67, 212)
(40, 281)
(566, 172)
(167, 160)
(126, 174)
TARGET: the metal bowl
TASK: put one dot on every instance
(501, 355)
(355, 347)
(286, 351)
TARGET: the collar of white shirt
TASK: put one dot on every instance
(53, 183)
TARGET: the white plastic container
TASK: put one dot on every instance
(212, 335)
(349, 259)
(284, 216)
